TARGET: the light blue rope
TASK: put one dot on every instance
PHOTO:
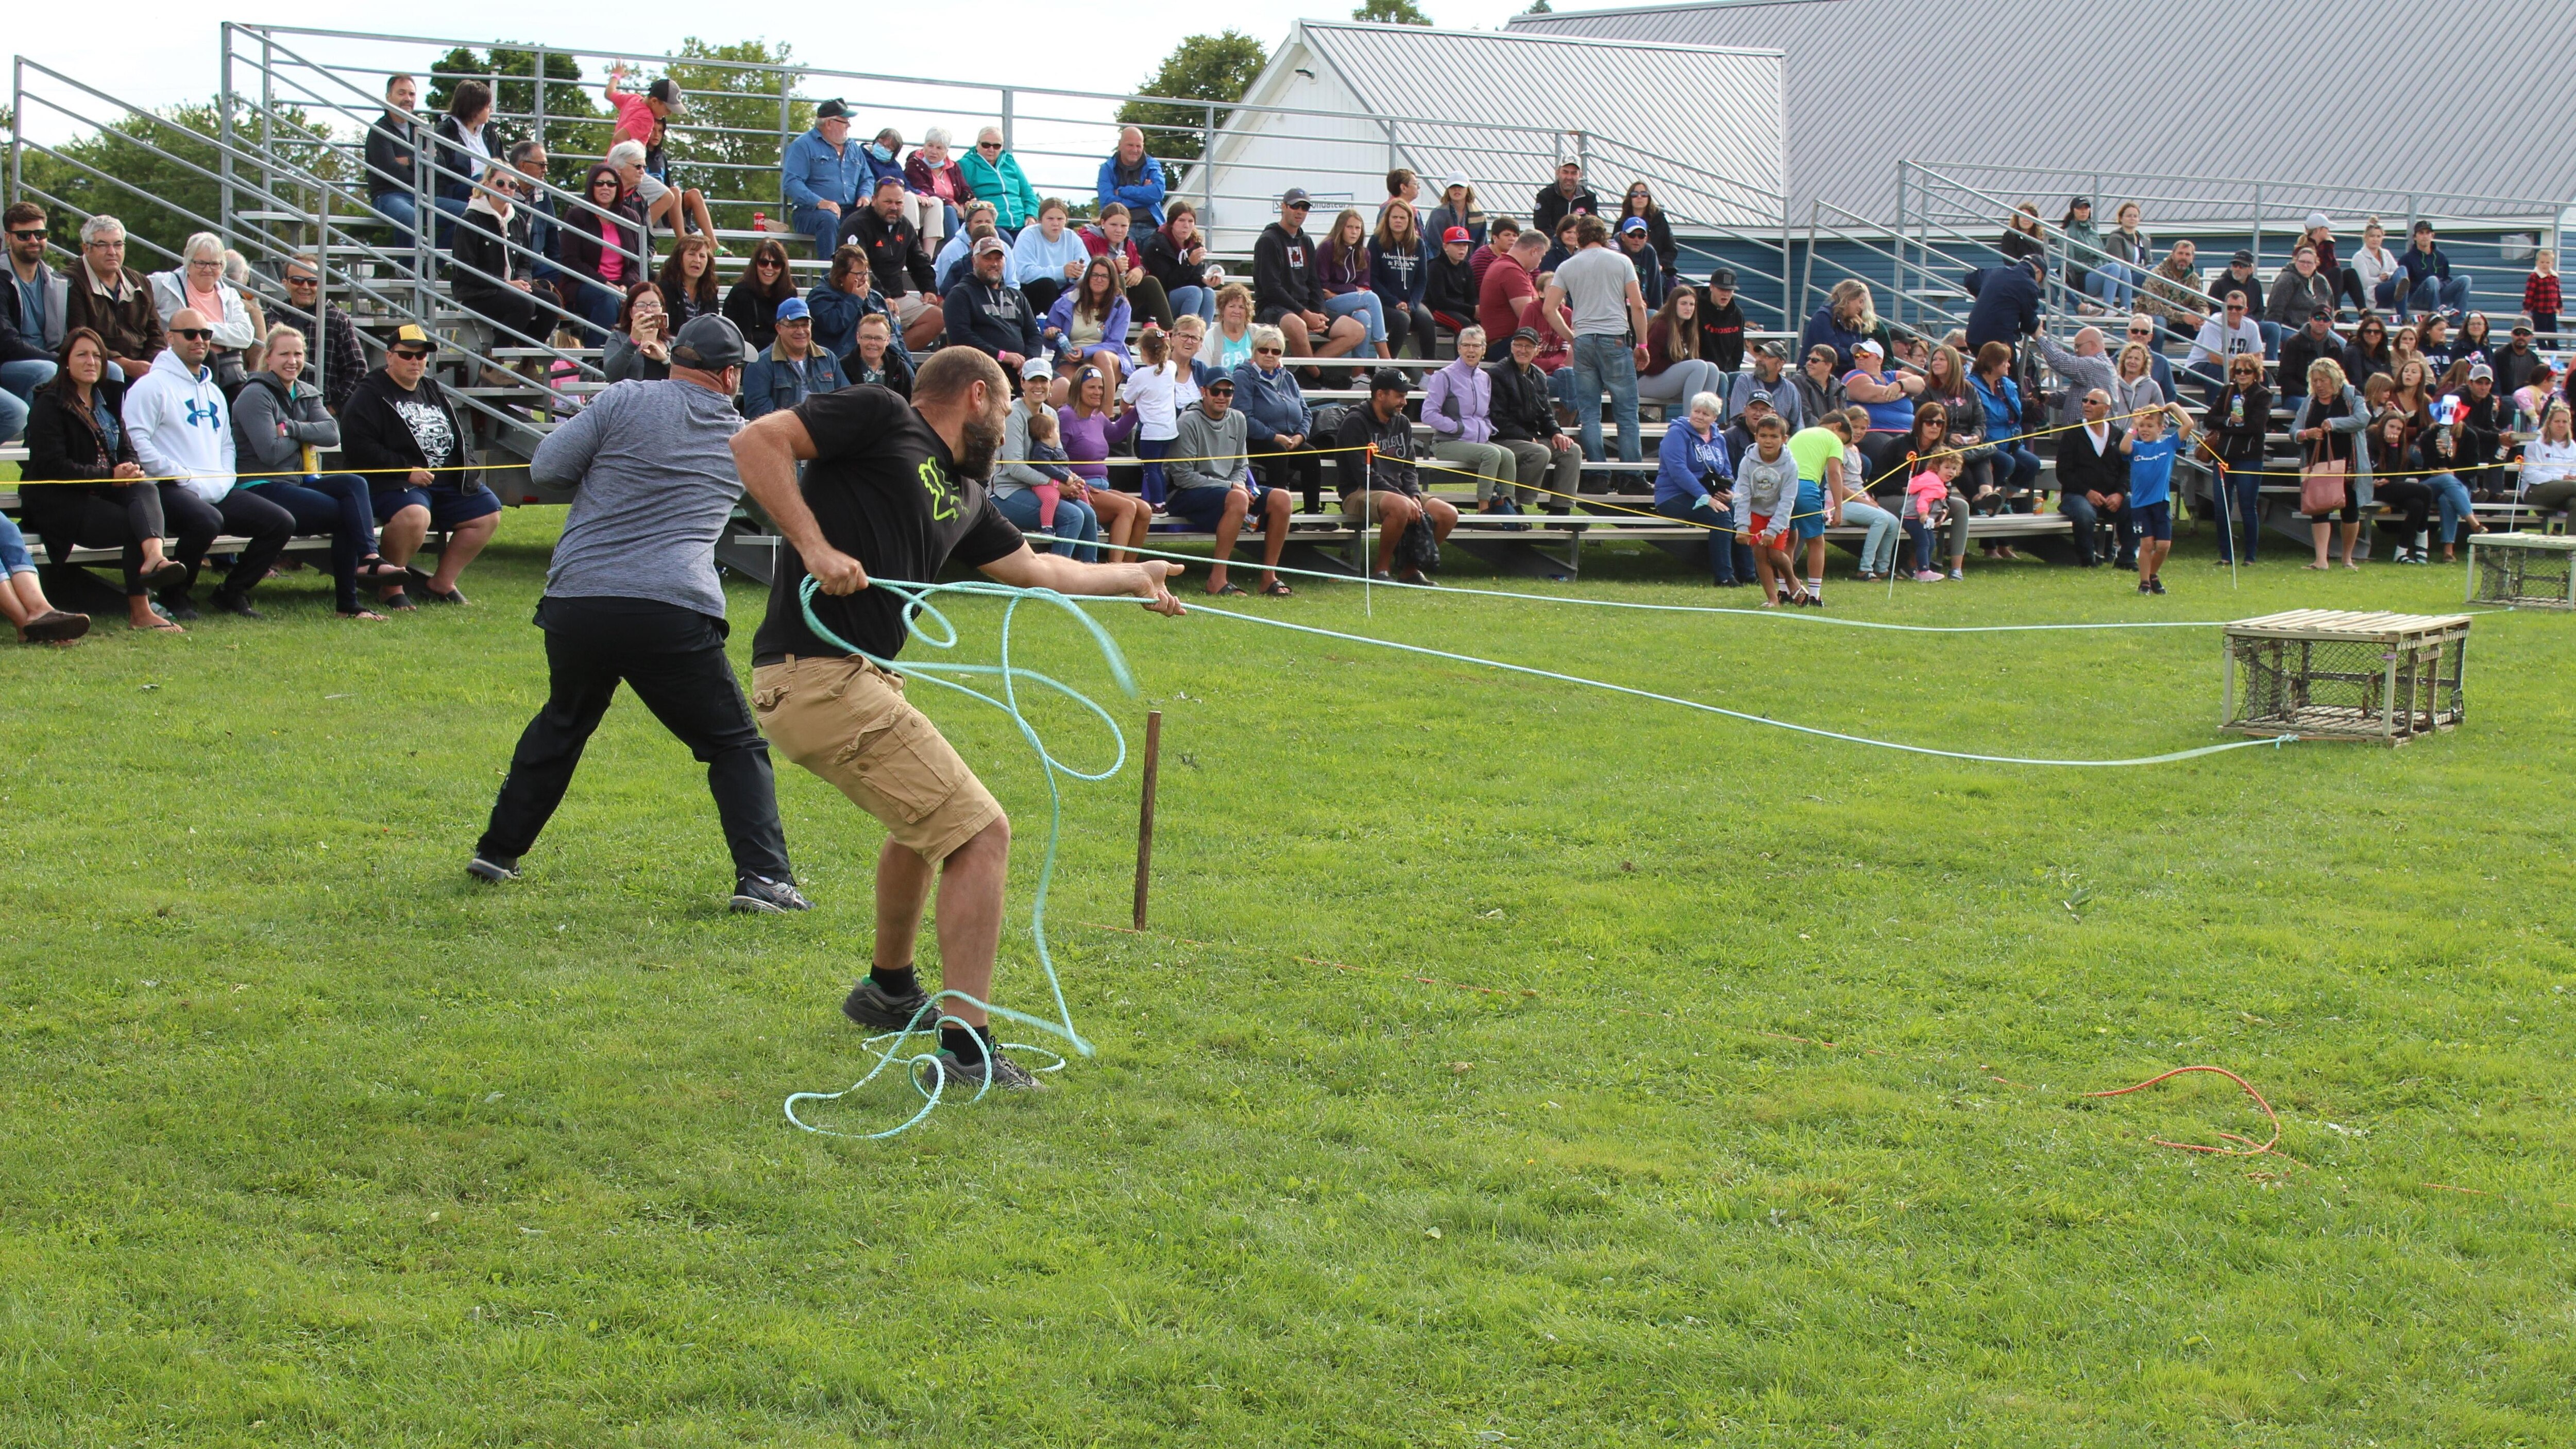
(887, 1048)
(2164, 759)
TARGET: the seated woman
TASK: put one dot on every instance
(1852, 508)
(1229, 342)
(1017, 485)
(198, 283)
(2548, 467)
(2400, 487)
(1399, 262)
(752, 305)
(1108, 236)
(2013, 484)
(688, 281)
(1887, 400)
(845, 294)
(1176, 256)
(1088, 325)
(22, 598)
(1089, 424)
(1342, 271)
(493, 278)
(1674, 369)
(76, 435)
(599, 256)
(1940, 430)
(640, 348)
(1694, 479)
(1458, 407)
(278, 422)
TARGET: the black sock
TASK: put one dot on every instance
(897, 982)
(966, 1043)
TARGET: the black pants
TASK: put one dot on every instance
(1042, 292)
(1300, 472)
(1145, 299)
(266, 526)
(2413, 500)
(675, 659)
(67, 516)
(2088, 522)
(1409, 323)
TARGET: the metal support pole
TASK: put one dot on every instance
(1008, 98)
(317, 353)
(17, 124)
(1207, 166)
(539, 105)
(2256, 247)
(224, 131)
(1390, 145)
(267, 128)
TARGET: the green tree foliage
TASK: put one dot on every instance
(158, 173)
(575, 126)
(729, 143)
(1538, 7)
(1202, 68)
(1391, 12)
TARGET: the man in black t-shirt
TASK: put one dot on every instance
(893, 489)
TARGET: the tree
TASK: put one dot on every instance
(572, 120)
(164, 198)
(1216, 68)
(734, 121)
(1538, 7)
(1391, 12)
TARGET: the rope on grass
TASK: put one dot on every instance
(888, 1047)
(2246, 1146)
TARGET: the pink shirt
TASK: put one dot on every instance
(1925, 493)
(634, 119)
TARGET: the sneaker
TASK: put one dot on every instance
(2156, 585)
(2144, 587)
(1956, 574)
(178, 611)
(493, 868)
(1000, 1070)
(2415, 557)
(870, 1006)
(755, 894)
(234, 604)
(1928, 576)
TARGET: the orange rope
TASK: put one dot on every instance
(2247, 1147)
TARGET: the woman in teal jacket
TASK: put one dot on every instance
(994, 175)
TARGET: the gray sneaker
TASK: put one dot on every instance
(493, 869)
(769, 897)
(870, 1006)
(1006, 1075)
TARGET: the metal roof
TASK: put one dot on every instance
(1694, 118)
(2137, 89)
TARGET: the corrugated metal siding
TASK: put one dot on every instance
(2056, 76)
(1717, 113)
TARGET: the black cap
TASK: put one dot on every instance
(1389, 379)
(667, 91)
(1526, 334)
(1722, 277)
(1219, 383)
(709, 343)
(2242, 259)
(832, 110)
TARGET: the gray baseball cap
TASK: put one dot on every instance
(710, 344)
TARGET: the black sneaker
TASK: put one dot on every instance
(233, 604)
(2144, 587)
(2156, 585)
(871, 1006)
(753, 893)
(493, 868)
(1000, 1070)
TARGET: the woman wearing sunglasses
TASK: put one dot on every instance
(993, 174)
(752, 304)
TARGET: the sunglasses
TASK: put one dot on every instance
(1299, 206)
(408, 354)
(37, 235)
(302, 281)
(1265, 352)
(988, 145)
(765, 264)
(193, 334)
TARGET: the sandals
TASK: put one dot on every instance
(1277, 590)
(158, 625)
(54, 626)
(170, 575)
(364, 615)
(374, 570)
(1223, 590)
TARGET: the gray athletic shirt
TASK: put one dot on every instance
(1596, 281)
(653, 482)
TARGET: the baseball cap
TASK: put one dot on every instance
(1760, 395)
(1525, 334)
(1455, 178)
(1295, 196)
(2522, 329)
(1033, 368)
(886, 179)
(667, 91)
(1775, 349)
(1389, 379)
(2242, 259)
(991, 244)
(2481, 370)
(710, 343)
(832, 110)
(1722, 277)
(1455, 234)
(410, 335)
(1634, 223)
(793, 309)
(2318, 219)
(1870, 346)
(1221, 380)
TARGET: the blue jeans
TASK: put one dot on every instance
(595, 303)
(1075, 523)
(1878, 549)
(2432, 292)
(2273, 332)
(403, 210)
(1730, 562)
(2114, 284)
(819, 224)
(451, 210)
(1605, 362)
(2452, 497)
(338, 504)
(14, 558)
(1186, 300)
(2023, 463)
(1363, 305)
(18, 384)
(2239, 496)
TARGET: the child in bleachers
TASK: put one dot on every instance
(1047, 457)
(1153, 390)
(2151, 459)
(1927, 507)
(2540, 297)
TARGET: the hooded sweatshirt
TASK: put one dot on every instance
(181, 427)
(274, 422)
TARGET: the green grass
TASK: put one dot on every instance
(305, 1140)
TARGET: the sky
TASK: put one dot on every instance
(161, 52)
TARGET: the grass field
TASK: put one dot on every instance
(1766, 1125)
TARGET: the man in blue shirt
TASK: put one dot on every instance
(1134, 178)
(793, 368)
(2151, 459)
(821, 173)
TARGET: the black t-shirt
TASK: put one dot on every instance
(886, 492)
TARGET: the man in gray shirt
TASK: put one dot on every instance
(1598, 286)
(1210, 478)
(633, 597)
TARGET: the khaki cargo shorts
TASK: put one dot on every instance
(847, 721)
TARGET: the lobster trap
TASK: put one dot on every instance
(2523, 570)
(2330, 674)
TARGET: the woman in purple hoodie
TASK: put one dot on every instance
(1458, 407)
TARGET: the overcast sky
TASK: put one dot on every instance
(159, 52)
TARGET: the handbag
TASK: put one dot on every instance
(2321, 483)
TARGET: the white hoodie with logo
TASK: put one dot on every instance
(181, 426)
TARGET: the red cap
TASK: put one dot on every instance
(1455, 234)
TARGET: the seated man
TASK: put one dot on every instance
(2229, 334)
(1210, 483)
(1382, 487)
(1285, 292)
(987, 313)
(183, 429)
(2093, 481)
(402, 434)
(113, 300)
(1546, 465)
(793, 368)
(897, 265)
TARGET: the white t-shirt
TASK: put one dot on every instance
(1596, 281)
(1154, 393)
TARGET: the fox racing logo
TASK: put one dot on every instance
(943, 499)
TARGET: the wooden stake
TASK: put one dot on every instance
(1145, 812)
